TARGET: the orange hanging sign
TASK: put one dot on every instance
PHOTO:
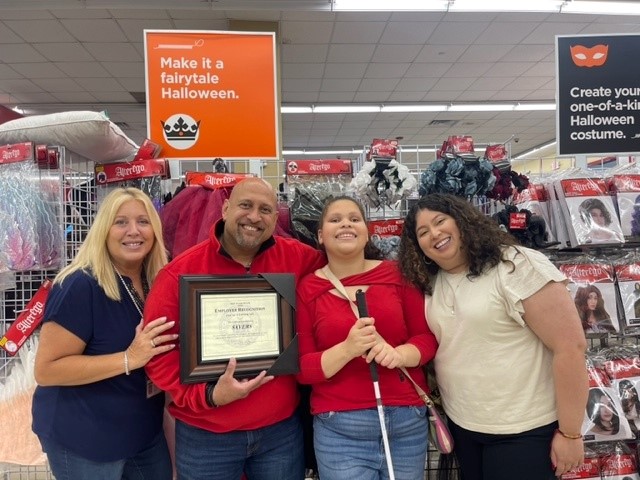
(212, 94)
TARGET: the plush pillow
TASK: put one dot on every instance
(90, 134)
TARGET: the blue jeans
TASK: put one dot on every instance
(484, 456)
(270, 453)
(349, 444)
(152, 463)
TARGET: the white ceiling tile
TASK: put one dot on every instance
(340, 85)
(508, 33)
(457, 33)
(125, 69)
(56, 85)
(407, 33)
(604, 28)
(186, 14)
(304, 53)
(7, 36)
(440, 53)
(20, 86)
(452, 84)
(527, 83)
(468, 69)
(26, 14)
(221, 24)
(399, 96)
(7, 72)
(63, 52)
(476, 95)
(75, 97)
(115, 97)
(528, 53)
(542, 69)
(299, 97)
(335, 97)
(112, 52)
(371, 97)
(357, 32)
(19, 53)
(396, 53)
(546, 32)
(416, 84)
(541, 95)
(506, 69)
(133, 84)
(39, 70)
(363, 16)
(133, 29)
(345, 70)
(384, 85)
(484, 53)
(40, 30)
(387, 70)
(100, 30)
(301, 70)
(306, 32)
(149, 13)
(96, 85)
(348, 53)
(422, 70)
(300, 85)
(491, 83)
(83, 69)
(84, 13)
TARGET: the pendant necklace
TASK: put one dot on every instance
(135, 298)
(453, 291)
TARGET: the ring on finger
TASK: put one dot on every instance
(153, 344)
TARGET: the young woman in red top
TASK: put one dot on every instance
(336, 348)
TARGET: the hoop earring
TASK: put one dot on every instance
(427, 261)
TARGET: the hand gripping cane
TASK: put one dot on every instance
(361, 301)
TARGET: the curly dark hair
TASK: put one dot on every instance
(481, 236)
(370, 250)
(590, 204)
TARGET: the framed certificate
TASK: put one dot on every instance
(250, 318)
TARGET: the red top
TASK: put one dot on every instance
(269, 404)
(324, 319)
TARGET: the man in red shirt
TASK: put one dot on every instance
(233, 426)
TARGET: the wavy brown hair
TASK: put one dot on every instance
(481, 236)
(600, 312)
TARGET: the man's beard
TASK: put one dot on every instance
(246, 241)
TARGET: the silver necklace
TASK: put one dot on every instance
(453, 291)
(126, 287)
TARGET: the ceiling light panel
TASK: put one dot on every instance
(387, 5)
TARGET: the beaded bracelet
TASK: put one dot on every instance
(126, 363)
(566, 435)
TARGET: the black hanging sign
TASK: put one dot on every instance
(598, 94)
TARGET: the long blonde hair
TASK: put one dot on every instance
(93, 256)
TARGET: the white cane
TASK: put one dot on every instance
(373, 369)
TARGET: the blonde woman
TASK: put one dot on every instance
(91, 410)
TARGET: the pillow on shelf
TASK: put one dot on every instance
(90, 134)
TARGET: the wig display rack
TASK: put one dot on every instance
(74, 206)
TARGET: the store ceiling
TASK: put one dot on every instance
(59, 55)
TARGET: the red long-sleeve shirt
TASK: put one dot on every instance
(323, 319)
(266, 405)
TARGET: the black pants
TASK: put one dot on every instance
(524, 456)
